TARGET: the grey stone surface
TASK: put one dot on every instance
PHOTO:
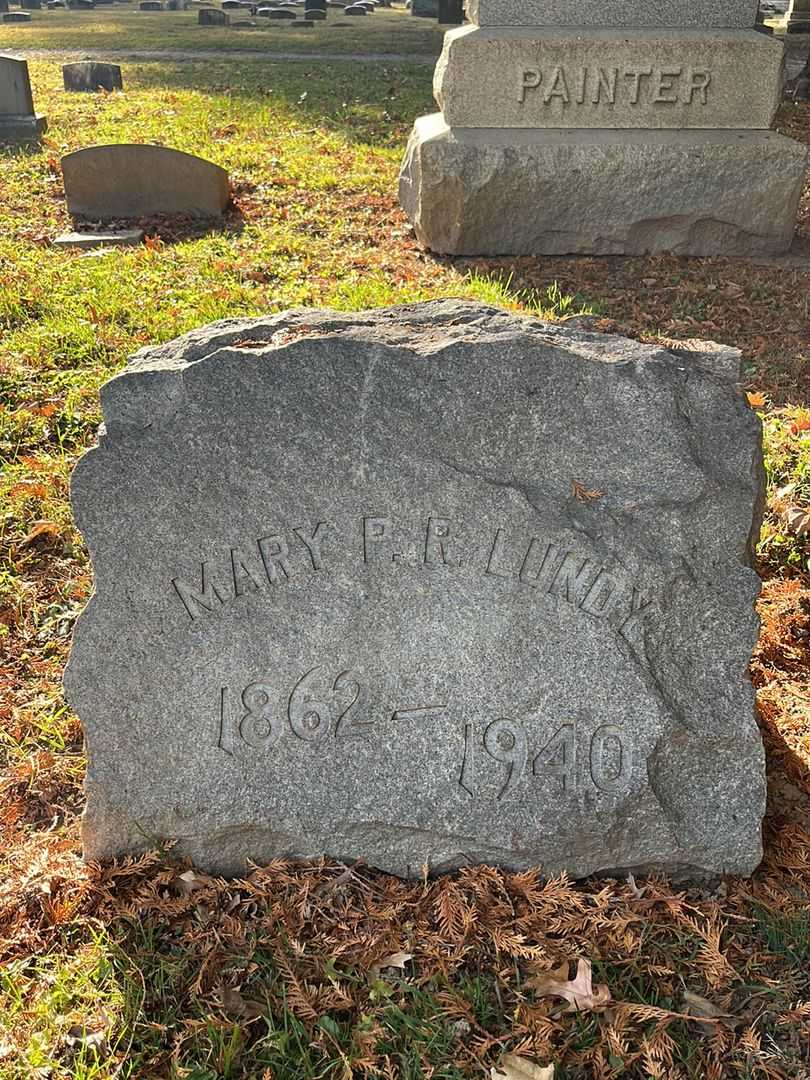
(17, 17)
(608, 79)
(136, 180)
(88, 76)
(426, 9)
(18, 121)
(507, 192)
(661, 13)
(87, 241)
(347, 602)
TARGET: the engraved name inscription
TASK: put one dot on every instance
(538, 566)
(614, 85)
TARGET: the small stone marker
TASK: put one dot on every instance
(355, 9)
(18, 121)
(17, 17)
(151, 5)
(426, 9)
(542, 100)
(89, 76)
(88, 241)
(213, 17)
(451, 11)
(314, 14)
(423, 586)
(137, 180)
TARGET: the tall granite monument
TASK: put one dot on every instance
(604, 127)
(422, 586)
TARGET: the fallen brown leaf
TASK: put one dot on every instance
(39, 530)
(393, 960)
(513, 1067)
(579, 992)
(235, 1005)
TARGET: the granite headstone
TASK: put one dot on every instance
(139, 179)
(89, 76)
(18, 121)
(422, 586)
(605, 127)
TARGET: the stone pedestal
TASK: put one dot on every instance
(604, 137)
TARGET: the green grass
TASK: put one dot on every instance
(123, 28)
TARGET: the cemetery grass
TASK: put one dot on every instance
(149, 969)
(121, 29)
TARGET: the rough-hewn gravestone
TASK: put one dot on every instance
(18, 121)
(423, 586)
(136, 179)
(89, 76)
(560, 117)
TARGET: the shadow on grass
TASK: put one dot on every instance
(372, 103)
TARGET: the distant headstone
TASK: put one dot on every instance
(150, 5)
(88, 76)
(213, 17)
(349, 602)
(230, 5)
(18, 121)
(82, 5)
(54, 4)
(315, 5)
(355, 9)
(138, 180)
(31, 5)
(451, 11)
(177, 5)
(282, 13)
(314, 14)
(17, 17)
(425, 9)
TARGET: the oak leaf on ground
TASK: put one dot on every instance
(579, 992)
(513, 1067)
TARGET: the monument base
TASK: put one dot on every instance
(21, 129)
(490, 191)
